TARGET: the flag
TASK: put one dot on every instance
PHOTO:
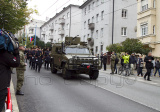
(31, 39)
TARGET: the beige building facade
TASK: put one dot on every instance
(148, 24)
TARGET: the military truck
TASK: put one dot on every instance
(73, 57)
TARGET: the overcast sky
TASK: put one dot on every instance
(55, 7)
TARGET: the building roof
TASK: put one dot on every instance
(85, 3)
(57, 14)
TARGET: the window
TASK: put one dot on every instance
(144, 4)
(124, 13)
(101, 48)
(68, 15)
(97, 17)
(96, 49)
(89, 7)
(154, 30)
(101, 32)
(85, 25)
(85, 11)
(102, 15)
(67, 26)
(154, 3)
(88, 21)
(97, 34)
(64, 16)
(84, 38)
(55, 22)
(88, 36)
(93, 19)
(102, 1)
(93, 5)
(124, 31)
(144, 29)
(97, 3)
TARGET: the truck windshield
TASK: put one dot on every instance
(77, 51)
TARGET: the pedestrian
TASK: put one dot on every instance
(46, 53)
(132, 62)
(157, 66)
(113, 57)
(126, 58)
(33, 58)
(48, 60)
(122, 60)
(152, 71)
(30, 57)
(7, 60)
(101, 57)
(20, 70)
(116, 62)
(39, 60)
(105, 61)
(140, 65)
(149, 65)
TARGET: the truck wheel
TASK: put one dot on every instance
(94, 75)
(66, 74)
(53, 70)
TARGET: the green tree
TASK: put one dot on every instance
(14, 14)
(115, 47)
(48, 45)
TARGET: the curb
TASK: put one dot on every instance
(14, 99)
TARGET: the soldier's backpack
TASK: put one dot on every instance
(4, 41)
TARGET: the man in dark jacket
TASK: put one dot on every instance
(7, 60)
(105, 61)
(157, 66)
(149, 65)
(132, 61)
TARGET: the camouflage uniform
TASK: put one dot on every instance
(20, 70)
(113, 57)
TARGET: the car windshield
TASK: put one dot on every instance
(77, 51)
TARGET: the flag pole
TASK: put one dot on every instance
(35, 36)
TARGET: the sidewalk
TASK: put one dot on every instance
(155, 79)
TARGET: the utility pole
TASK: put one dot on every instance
(113, 23)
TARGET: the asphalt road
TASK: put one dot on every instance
(47, 92)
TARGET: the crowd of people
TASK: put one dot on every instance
(135, 62)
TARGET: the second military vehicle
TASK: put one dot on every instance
(73, 57)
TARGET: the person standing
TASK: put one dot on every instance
(105, 61)
(101, 57)
(46, 54)
(132, 62)
(7, 60)
(140, 65)
(157, 66)
(116, 62)
(149, 65)
(20, 70)
(113, 57)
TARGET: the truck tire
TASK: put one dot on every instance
(53, 70)
(66, 74)
(94, 75)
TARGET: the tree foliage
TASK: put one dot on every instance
(130, 46)
(14, 14)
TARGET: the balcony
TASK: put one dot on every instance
(62, 21)
(147, 13)
(43, 32)
(61, 32)
(91, 26)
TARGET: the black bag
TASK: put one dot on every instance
(116, 60)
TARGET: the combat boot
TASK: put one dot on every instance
(19, 92)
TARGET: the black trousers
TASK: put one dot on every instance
(3, 94)
(148, 74)
(105, 66)
(33, 65)
(38, 66)
(140, 71)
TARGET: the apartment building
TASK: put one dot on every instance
(65, 23)
(31, 29)
(148, 24)
(99, 28)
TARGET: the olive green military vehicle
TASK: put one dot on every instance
(73, 57)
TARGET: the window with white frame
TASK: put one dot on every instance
(154, 3)
(88, 21)
(124, 31)
(97, 17)
(102, 15)
(144, 29)
(101, 32)
(85, 11)
(85, 25)
(124, 13)
(154, 29)
(89, 8)
(68, 15)
(93, 5)
(144, 4)
(84, 38)
(96, 33)
(93, 19)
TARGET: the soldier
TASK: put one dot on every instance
(33, 59)
(113, 57)
(46, 54)
(20, 70)
(30, 57)
(39, 62)
(48, 60)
